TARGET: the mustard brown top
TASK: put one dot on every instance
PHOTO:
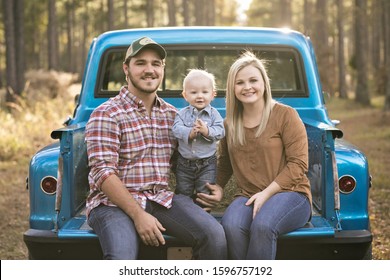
(280, 154)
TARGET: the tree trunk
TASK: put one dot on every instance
(307, 19)
(52, 36)
(186, 12)
(377, 43)
(362, 94)
(19, 40)
(376, 31)
(210, 11)
(320, 40)
(110, 14)
(102, 23)
(149, 13)
(9, 25)
(387, 53)
(285, 13)
(199, 7)
(341, 60)
(69, 33)
(125, 14)
(84, 35)
(33, 53)
(171, 5)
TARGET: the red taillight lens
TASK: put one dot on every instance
(49, 185)
(347, 184)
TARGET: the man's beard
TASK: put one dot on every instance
(141, 88)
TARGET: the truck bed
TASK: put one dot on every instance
(316, 240)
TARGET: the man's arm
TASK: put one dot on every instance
(147, 226)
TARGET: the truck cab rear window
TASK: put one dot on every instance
(284, 68)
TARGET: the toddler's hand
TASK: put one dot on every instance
(202, 127)
(193, 133)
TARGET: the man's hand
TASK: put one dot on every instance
(149, 229)
(147, 226)
(210, 200)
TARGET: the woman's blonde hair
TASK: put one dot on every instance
(234, 109)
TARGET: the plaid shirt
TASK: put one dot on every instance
(123, 140)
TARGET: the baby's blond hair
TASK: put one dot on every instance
(197, 72)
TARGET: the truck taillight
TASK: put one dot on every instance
(49, 185)
(347, 184)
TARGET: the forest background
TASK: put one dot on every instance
(44, 44)
(351, 37)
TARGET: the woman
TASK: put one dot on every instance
(266, 149)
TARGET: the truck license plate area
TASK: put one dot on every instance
(179, 253)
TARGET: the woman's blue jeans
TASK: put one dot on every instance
(256, 239)
(184, 220)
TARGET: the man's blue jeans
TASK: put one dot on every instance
(184, 220)
(256, 239)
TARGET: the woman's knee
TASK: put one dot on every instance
(237, 214)
(229, 224)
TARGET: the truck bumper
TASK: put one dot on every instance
(348, 244)
(46, 245)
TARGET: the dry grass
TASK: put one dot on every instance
(25, 128)
(14, 209)
(369, 129)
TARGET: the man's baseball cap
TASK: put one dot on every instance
(144, 42)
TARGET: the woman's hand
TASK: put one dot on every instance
(258, 200)
(210, 200)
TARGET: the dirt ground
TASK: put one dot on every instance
(363, 126)
(14, 209)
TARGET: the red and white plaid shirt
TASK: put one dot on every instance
(123, 140)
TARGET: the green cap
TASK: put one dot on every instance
(143, 42)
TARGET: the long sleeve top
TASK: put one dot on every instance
(200, 147)
(122, 139)
(280, 154)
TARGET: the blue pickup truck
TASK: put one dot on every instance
(338, 172)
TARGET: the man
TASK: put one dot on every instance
(130, 144)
